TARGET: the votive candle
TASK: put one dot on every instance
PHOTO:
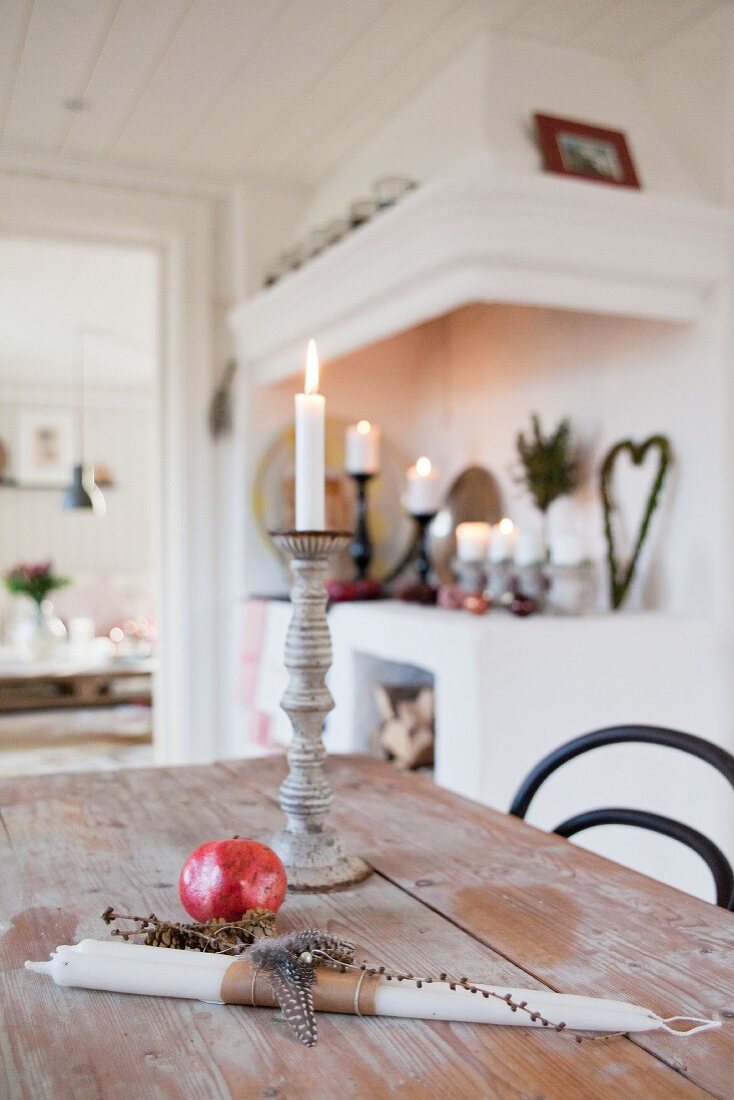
(362, 450)
(502, 541)
(422, 497)
(472, 541)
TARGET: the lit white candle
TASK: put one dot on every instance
(472, 541)
(310, 469)
(162, 972)
(362, 452)
(566, 548)
(502, 541)
(423, 492)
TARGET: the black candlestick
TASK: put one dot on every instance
(423, 558)
(421, 591)
(361, 548)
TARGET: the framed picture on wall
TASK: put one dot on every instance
(46, 446)
(585, 151)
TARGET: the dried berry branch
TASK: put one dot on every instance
(463, 983)
(220, 936)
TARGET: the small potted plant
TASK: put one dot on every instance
(549, 466)
(36, 581)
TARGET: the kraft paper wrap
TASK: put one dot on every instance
(353, 991)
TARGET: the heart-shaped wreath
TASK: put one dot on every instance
(620, 578)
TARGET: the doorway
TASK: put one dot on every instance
(79, 362)
(179, 229)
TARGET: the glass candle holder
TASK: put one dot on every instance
(389, 189)
(571, 589)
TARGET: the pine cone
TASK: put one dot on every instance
(220, 936)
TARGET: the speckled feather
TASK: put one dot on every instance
(291, 976)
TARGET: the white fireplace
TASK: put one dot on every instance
(490, 293)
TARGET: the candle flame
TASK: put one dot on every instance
(364, 427)
(507, 526)
(423, 466)
(312, 368)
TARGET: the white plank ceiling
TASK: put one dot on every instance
(281, 87)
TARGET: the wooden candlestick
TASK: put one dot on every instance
(312, 853)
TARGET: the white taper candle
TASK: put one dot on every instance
(310, 467)
(157, 971)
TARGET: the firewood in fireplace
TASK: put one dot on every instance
(407, 730)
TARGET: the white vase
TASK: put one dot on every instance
(38, 637)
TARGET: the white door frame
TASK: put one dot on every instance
(179, 228)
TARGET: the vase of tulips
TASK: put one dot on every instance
(39, 635)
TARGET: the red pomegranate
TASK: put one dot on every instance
(225, 878)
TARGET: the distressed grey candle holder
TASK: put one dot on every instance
(312, 853)
(532, 582)
(471, 575)
(499, 578)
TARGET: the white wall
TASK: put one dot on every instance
(615, 379)
(52, 290)
(689, 83)
(528, 76)
(120, 435)
(445, 121)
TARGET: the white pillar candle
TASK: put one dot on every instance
(472, 541)
(423, 494)
(310, 469)
(362, 448)
(502, 541)
(528, 548)
(158, 971)
(566, 548)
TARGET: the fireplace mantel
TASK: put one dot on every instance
(480, 236)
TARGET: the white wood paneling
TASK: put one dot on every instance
(357, 87)
(16, 15)
(630, 27)
(559, 21)
(61, 46)
(138, 37)
(387, 95)
(304, 43)
(214, 42)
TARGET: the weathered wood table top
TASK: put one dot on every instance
(457, 887)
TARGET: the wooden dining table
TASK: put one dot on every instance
(456, 887)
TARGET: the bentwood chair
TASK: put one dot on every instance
(656, 735)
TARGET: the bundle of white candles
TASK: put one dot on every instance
(163, 972)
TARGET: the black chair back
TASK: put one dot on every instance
(656, 735)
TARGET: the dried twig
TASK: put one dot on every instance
(220, 936)
(463, 983)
